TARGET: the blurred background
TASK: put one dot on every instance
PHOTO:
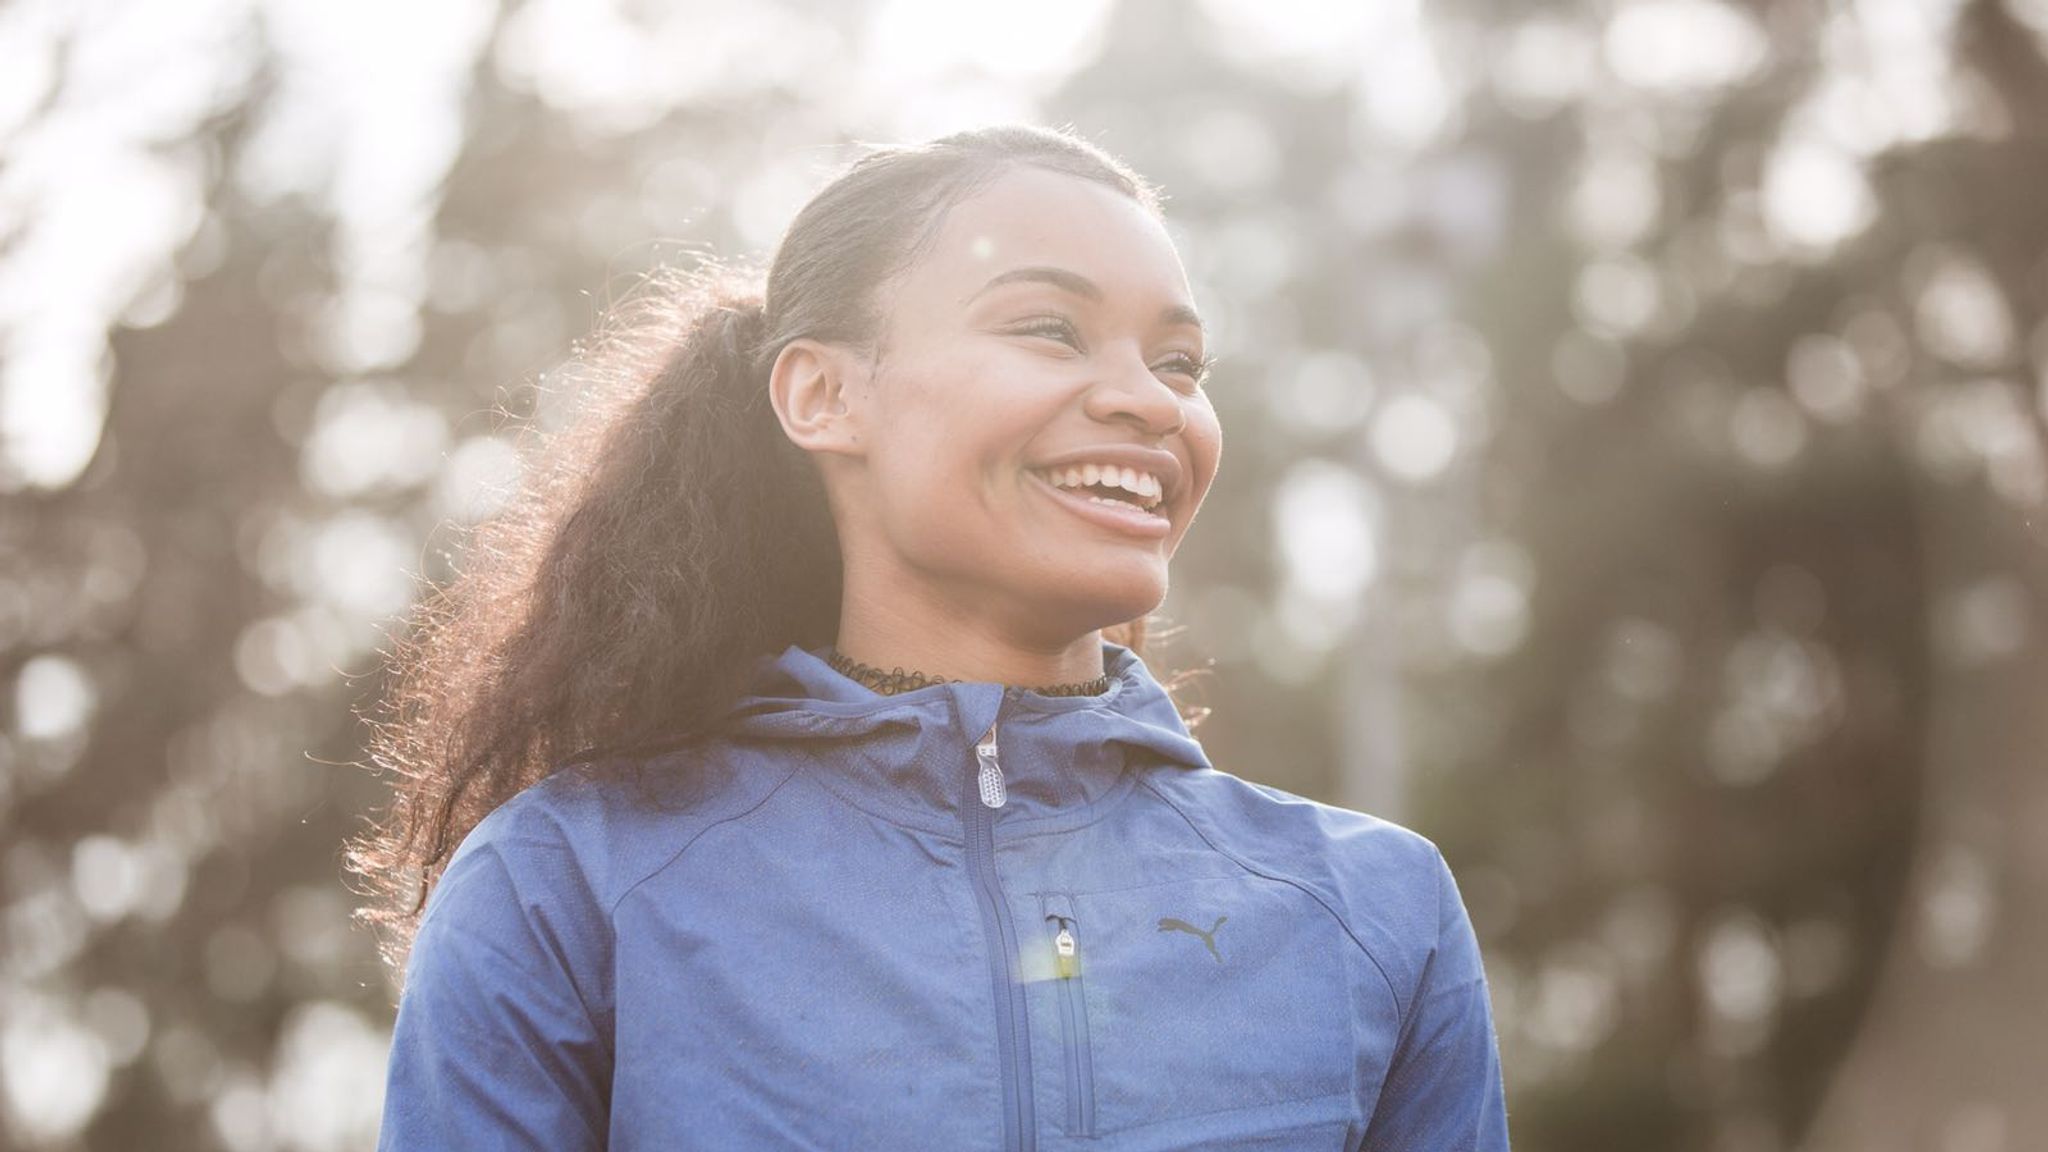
(1635, 410)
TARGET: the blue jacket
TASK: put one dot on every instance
(962, 917)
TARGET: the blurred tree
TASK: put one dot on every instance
(1949, 1052)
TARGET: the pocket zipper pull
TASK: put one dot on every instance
(990, 778)
(1063, 951)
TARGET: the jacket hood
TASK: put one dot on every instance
(911, 756)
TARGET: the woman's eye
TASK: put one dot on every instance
(1051, 327)
(1195, 368)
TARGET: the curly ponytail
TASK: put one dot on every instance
(667, 537)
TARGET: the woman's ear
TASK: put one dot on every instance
(811, 384)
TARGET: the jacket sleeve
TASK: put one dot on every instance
(496, 1046)
(1443, 1091)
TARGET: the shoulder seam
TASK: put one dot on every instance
(602, 1034)
(1422, 990)
(1405, 1009)
(612, 910)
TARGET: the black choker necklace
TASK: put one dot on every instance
(897, 680)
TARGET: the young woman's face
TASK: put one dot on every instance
(1037, 438)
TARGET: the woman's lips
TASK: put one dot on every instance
(1112, 514)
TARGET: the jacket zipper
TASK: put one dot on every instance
(1066, 959)
(1013, 1036)
(988, 778)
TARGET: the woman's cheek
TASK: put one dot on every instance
(1205, 448)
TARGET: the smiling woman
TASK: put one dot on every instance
(676, 863)
(1013, 461)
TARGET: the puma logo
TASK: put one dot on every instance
(1169, 924)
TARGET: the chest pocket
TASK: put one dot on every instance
(1216, 1007)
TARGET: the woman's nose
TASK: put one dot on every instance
(1130, 392)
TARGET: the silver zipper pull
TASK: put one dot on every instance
(1063, 944)
(990, 778)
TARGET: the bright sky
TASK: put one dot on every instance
(97, 197)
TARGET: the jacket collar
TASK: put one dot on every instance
(910, 757)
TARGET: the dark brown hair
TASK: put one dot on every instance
(668, 536)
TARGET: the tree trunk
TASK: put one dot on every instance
(1953, 1052)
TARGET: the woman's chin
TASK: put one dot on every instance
(1093, 604)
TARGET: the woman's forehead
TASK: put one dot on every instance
(1032, 219)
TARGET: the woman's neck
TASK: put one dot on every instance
(887, 637)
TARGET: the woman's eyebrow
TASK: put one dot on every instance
(1079, 285)
(1180, 315)
(1059, 278)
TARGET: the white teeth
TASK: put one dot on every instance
(1120, 504)
(1146, 486)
